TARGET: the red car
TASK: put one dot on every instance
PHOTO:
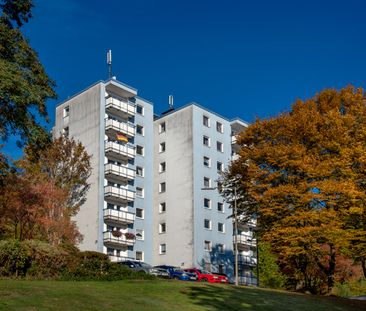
(222, 278)
(204, 276)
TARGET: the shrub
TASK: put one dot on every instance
(39, 260)
(30, 258)
(349, 289)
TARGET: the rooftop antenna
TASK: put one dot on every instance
(109, 62)
(171, 102)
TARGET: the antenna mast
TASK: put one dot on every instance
(171, 102)
(109, 62)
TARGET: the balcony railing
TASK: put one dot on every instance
(118, 217)
(245, 240)
(118, 242)
(119, 152)
(234, 139)
(112, 127)
(247, 260)
(120, 107)
(118, 195)
(117, 172)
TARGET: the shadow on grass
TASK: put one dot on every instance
(230, 298)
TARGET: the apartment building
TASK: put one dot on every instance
(153, 194)
(116, 127)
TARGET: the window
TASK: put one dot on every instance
(206, 141)
(139, 171)
(219, 146)
(219, 127)
(139, 234)
(162, 187)
(221, 248)
(162, 167)
(221, 227)
(140, 129)
(162, 127)
(140, 192)
(208, 246)
(207, 224)
(110, 251)
(220, 207)
(206, 182)
(140, 256)
(140, 109)
(162, 249)
(162, 147)
(207, 203)
(162, 228)
(66, 111)
(220, 166)
(206, 161)
(139, 212)
(206, 121)
(221, 269)
(140, 150)
(162, 207)
(65, 131)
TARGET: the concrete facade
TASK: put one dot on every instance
(148, 179)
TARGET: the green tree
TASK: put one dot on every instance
(305, 172)
(24, 84)
(269, 271)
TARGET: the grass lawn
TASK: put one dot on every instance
(158, 295)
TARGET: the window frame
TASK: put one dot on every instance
(162, 127)
(161, 204)
(162, 249)
(209, 223)
(161, 186)
(142, 213)
(204, 138)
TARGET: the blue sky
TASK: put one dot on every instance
(239, 58)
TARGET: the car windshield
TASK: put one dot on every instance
(145, 265)
(205, 272)
(175, 269)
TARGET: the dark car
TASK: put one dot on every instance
(178, 273)
(137, 265)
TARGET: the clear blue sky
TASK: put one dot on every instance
(239, 58)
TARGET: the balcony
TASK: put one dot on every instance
(120, 108)
(247, 261)
(116, 242)
(245, 241)
(118, 173)
(112, 127)
(234, 140)
(118, 195)
(117, 218)
(119, 152)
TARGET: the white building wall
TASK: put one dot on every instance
(84, 124)
(179, 189)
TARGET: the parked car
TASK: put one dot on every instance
(137, 265)
(204, 276)
(222, 278)
(160, 273)
(178, 273)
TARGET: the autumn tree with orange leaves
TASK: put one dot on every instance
(303, 175)
(39, 199)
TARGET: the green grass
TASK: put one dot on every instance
(158, 295)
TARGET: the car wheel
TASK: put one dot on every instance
(204, 280)
(176, 277)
